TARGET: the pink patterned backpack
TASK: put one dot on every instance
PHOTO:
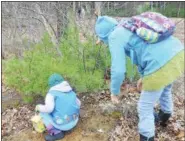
(150, 26)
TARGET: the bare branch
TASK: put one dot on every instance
(49, 30)
(42, 14)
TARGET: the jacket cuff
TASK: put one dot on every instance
(115, 92)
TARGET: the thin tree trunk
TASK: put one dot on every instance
(74, 7)
(151, 6)
(164, 7)
(179, 9)
(49, 30)
(58, 22)
(108, 3)
(84, 64)
(98, 8)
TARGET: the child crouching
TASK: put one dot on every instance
(61, 110)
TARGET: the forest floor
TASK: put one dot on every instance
(100, 120)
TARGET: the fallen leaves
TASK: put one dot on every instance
(125, 130)
(177, 129)
(15, 120)
(181, 135)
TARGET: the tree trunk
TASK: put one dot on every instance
(62, 18)
(49, 29)
(151, 6)
(164, 7)
(179, 9)
(108, 3)
(98, 8)
(74, 7)
(59, 22)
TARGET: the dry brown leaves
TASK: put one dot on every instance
(15, 120)
(125, 130)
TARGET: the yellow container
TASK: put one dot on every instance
(37, 123)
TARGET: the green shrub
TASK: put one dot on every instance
(82, 64)
(132, 72)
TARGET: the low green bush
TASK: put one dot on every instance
(82, 64)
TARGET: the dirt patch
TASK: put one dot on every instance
(93, 124)
(10, 98)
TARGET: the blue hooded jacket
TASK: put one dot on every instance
(148, 57)
(65, 112)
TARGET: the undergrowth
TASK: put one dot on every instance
(82, 64)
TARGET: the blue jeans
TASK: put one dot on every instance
(146, 108)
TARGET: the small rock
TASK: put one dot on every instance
(83, 114)
(107, 108)
(100, 130)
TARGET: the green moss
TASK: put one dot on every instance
(116, 114)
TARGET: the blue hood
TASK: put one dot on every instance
(104, 26)
(55, 79)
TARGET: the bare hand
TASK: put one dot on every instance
(139, 85)
(115, 99)
(37, 108)
(98, 42)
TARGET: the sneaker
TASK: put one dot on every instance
(54, 137)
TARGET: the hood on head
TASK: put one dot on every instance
(103, 27)
(55, 79)
(62, 87)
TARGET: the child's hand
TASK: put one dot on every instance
(139, 85)
(37, 108)
(98, 42)
(115, 99)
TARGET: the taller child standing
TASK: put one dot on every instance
(159, 65)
